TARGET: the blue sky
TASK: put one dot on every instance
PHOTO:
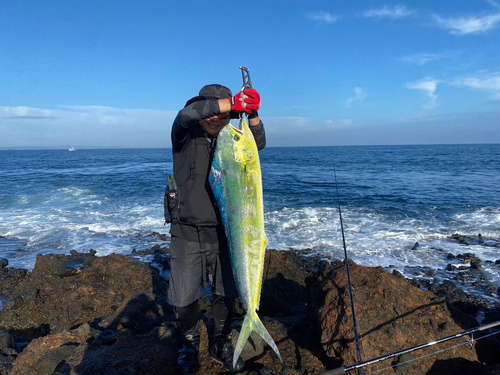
(114, 73)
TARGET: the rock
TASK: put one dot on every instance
(101, 287)
(481, 239)
(116, 319)
(491, 290)
(284, 289)
(6, 344)
(416, 246)
(3, 263)
(6, 364)
(9, 279)
(50, 362)
(475, 263)
(398, 274)
(43, 355)
(450, 267)
(72, 267)
(492, 370)
(391, 314)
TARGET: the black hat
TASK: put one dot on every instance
(211, 92)
(216, 91)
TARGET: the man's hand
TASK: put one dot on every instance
(246, 101)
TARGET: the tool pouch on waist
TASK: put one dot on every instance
(171, 203)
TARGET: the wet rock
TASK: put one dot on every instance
(481, 239)
(161, 236)
(416, 246)
(163, 260)
(475, 263)
(398, 274)
(72, 267)
(155, 249)
(3, 263)
(466, 276)
(461, 239)
(491, 290)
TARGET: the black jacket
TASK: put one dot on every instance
(193, 151)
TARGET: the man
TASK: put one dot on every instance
(198, 242)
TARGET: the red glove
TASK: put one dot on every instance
(246, 101)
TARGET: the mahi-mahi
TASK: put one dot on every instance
(236, 181)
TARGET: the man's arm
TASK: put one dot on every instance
(195, 112)
(258, 131)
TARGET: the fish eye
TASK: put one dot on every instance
(236, 137)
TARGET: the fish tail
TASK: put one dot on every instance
(252, 323)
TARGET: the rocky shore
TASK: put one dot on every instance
(83, 314)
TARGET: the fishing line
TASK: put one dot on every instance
(346, 260)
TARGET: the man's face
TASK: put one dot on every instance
(214, 125)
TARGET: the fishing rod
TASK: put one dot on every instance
(359, 366)
(342, 370)
(356, 336)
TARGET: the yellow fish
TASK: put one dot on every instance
(236, 180)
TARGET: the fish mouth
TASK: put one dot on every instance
(238, 130)
(236, 133)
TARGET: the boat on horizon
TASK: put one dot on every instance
(72, 149)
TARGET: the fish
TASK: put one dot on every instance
(236, 181)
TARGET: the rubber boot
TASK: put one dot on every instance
(222, 350)
(187, 360)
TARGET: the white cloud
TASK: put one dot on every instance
(323, 17)
(395, 12)
(488, 83)
(424, 58)
(24, 113)
(84, 126)
(359, 95)
(338, 123)
(427, 85)
(468, 25)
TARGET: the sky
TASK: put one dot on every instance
(111, 73)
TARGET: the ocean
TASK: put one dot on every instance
(391, 197)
